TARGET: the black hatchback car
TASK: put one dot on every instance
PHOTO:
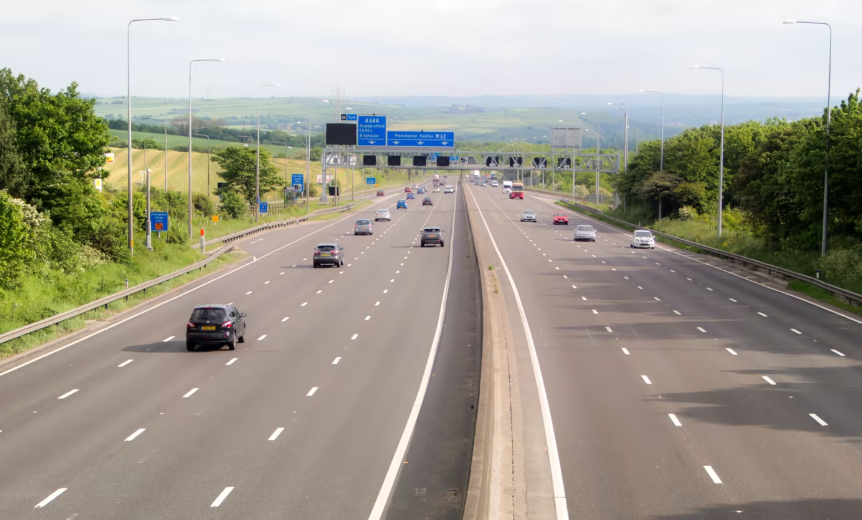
(215, 323)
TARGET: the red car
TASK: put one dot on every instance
(380, 193)
(561, 218)
(407, 189)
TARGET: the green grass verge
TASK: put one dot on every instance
(41, 297)
(822, 295)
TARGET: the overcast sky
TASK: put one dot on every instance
(436, 47)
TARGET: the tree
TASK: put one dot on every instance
(13, 170)
(14, 241)
(238, 171)
(232, 204)
(660, 184)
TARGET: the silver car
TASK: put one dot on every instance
(448, 189)
(585, 232)
(363, 227)
(382, 214)
(642, 238)
(529, 215)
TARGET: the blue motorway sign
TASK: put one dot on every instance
(158, 221)
(348, 117)
(421, 139)
(371, 131)
(264, 207)
(297, 179)
(371, 180)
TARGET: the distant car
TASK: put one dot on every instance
(380, 193)
(494, 184)
(382, 214)
(561, 218)
(328, 254)
(410, 196)
(402, 204)
(215, 324)
(407, 189)
(585, 232)
(414, 186)
(448, 189)
(436, 189)
(421, 191)
(642, 238)
(363, 227)
(427, 201)
(431, 235)
(529, 215)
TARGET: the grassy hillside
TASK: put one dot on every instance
(200, 142)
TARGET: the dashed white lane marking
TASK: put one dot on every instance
(348, 265)
(49, 498)
(132, 437)
(672, 271)
(168, 339)
(281, 273)
(584, 298)
(689, 279)
(266, 282)
(604, 262)
(311, 392)
(335, 362)
(385, 291)
(294, 265)
(261, 338)
(768, 380)
(392, 280)
(67, 394)
(285, 319)
(626, 351)
(566, 277)
(612, 269)
(231, 362)
(608, 329)
(712, 474)
(595, 311)
(734, 301)
(367, 318)
(796, 331)
(839, 353)
(220, 498)
(190, 392)
(646, 380)
(818, 419)
(701, 329)
(764, 315)
(732, 352)
(709, 288)
(557, 268)
(656, 298)
(626, 277)
(320, 291)
(304, 304)
(674, 420)
(275, 434)
(304, 259)
(248, 293)
(677, 313)
(330, 281)
(124, 363)
(355, 336)
(574, 287)
(641, 288)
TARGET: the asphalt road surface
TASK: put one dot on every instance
(303, 420)
(678, 390)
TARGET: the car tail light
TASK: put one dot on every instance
(226, 325)
(190, 325)
(335, 252)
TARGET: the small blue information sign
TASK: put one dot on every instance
(348, 117)
(371, 131)
(264, 207)
(371, 180)
(158, 221)
(297, 179)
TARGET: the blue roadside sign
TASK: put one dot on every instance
(371, 131)
(421, 139)
(348, 117)
(263, 207)
(371, 180)
(297, 179)
(158, 221)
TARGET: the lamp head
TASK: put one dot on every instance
(789, 22)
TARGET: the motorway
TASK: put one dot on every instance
(677, 389)
(309, 418)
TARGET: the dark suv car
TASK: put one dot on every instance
(215, 323)
(328, 254)
(432, 235)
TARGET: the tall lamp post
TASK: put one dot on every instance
(721, 156)
(191, 212)
(828, 120)
(129, 108)
(257, 168)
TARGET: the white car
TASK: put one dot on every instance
(529, 215)
(436, 189)
(449, 189)
(494, 184)
(642, 238)
(585, 232)
(507, 191)
(382, 214)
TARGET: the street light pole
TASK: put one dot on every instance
(129, 108)
(828, 121)
(661, 161)
(191, 213)
(257, 169)
(721, 156)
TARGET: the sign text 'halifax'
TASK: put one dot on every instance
(421, 139)
(371, 131)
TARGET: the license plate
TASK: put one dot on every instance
(207, 327)
(432, 236)
(324, 254)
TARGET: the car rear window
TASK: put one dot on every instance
(363, 222)
(432, 230)
(529, 212)
(645, 234)
(209, 314)
(585, 228)
(325, 248)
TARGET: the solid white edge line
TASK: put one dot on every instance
(275, 434)
(674, 420)
(131, 437)
(220, 498)
(49, 498)
(712, 474)
(401, 449)
(550, 437)
(839, 353)
(820, 421)
(796, 331)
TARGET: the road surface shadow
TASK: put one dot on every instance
(820, 509)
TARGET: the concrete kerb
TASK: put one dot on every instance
(497, 486)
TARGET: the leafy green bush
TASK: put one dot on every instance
(232, 205)
(842, 266)
(203, 204)
(14, 240)
(687, 213)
